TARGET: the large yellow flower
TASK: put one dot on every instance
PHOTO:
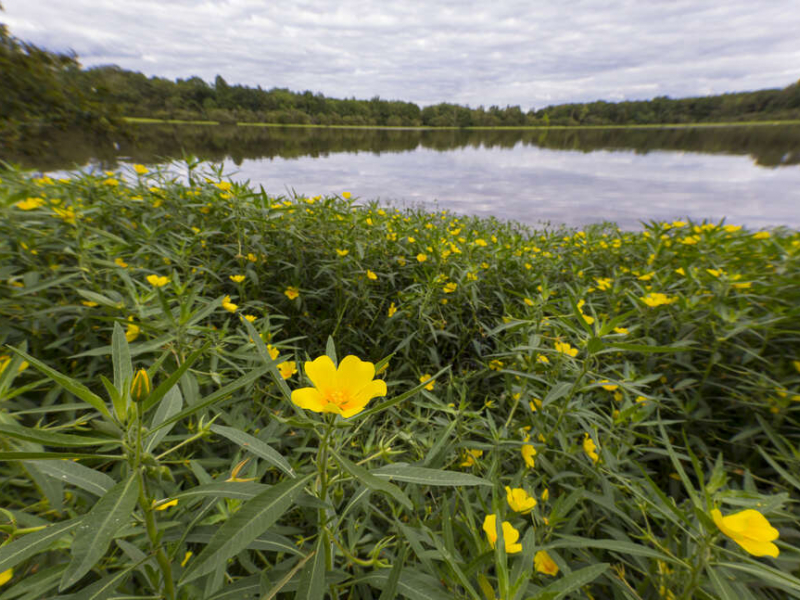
(344, 391)
(750, 529)
(510, 535)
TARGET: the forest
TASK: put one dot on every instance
(42, 88)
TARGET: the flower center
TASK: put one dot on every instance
(338, 397)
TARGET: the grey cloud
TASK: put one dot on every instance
(506, 52)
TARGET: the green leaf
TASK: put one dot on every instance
(53, 455)
(411, 583)
(425, 476)
(33, 543)
(212, 398)
(721, 586)
(312, 578)
(166, 385)
(68, 471)
(330, 350)
(371, 481)
(69, 384)
(169, 407)
(241, 490)
(106, 517)
(99, 298)
(390, 587)
(121, 358)
(570, 583)
(397, 400)
(557, 392)
(574, 541)
(256, 446)
(682, 346)
(51, 438)
(250, 521)
(766, 573)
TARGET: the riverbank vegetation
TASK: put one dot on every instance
(546, 412)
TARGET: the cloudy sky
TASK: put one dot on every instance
(530, 53)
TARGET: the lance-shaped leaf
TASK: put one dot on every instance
(256, 446)
(95, 533)
(425, 476)
(94, 482)
(69, 384)
(33, 543)
(312, 579)
(53, 438)
(371, 481)
(249, 522)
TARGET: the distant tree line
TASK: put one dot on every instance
(194, 98)
(44, 89)
(38, 87)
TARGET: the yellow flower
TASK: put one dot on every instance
(528, 301)
(431, 384)
(449, 288)
(371, 275)
(5, 360)
(186, 557)
(621, 330)
(544, 360)
(607, 386)
(342, 252)
(565, 348)
(470, 456)
(29, 203)
(250, 318)
(287, 368)
(603, 283)
(6, 576)
(510, 535)
(519, 500)
(141, 169)
(657, 299)
(528, 452)
(731, 228)
(273, 351)
(132, 332)
(141, 386)
(344, 391)
(646, 277)
(89, 303)
(715, 272)
(346, 195)
(228, 305)
(422, 257)
(680, 271)
(166, 505)
(546, 495)
(750, 529)
(237, 278)
(223, 186)
(495, 365)
(291, 292)
(120, 263)
(157, 281)
(66, 214)
(761, 235)
(111, 182)
(544, 564)
(392, 310)
(590, 448)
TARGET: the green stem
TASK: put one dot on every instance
(152, 534)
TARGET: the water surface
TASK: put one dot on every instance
(747, 175)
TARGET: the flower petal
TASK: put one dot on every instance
(353, 374)
(758, 548)
(309, 398)
(322, 373)
(373, 389)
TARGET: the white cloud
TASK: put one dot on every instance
(505, 52)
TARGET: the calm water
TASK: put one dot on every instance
(748, 175)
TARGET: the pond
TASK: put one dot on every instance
(749, 175)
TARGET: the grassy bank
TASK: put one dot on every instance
(142, 120)
(602, 392)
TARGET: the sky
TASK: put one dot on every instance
(506, 52)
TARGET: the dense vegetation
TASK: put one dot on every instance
(602, 393)
(44, 89)
(193, 98)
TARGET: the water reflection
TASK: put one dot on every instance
(747, 174)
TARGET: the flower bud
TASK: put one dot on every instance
(140, 388)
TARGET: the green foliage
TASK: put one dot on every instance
(630, 382)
